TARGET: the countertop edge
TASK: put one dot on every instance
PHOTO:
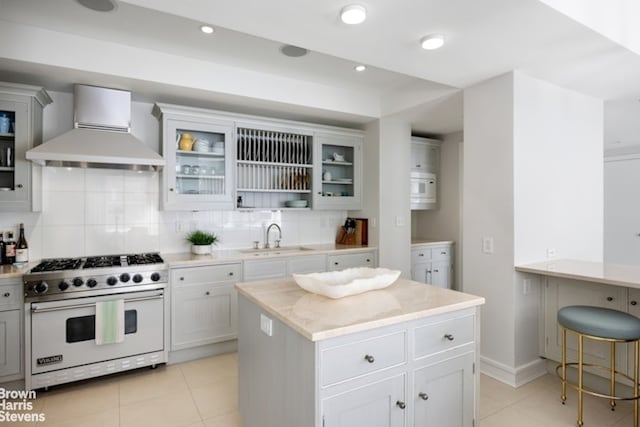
(557, 269)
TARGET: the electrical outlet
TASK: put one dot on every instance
(526, 286)
(551, 252)
(266, 325)
(487, 245)
(400, 221)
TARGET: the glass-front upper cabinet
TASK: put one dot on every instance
(198, 149)
(20, 129)
(338, 172)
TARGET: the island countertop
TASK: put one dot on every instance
(589, 271)
(316, 317)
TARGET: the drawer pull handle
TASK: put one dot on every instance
(231, 273)
(443, 253)
(182, 278)
(207, 293)
(401, 404)
(335, 263)
(420, 254)
(369, 358)
(449, 337)
(424, 396)
(368, 260)
(609, 299)
(7, 294)
(633, 302)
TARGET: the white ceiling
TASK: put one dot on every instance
(484, 39)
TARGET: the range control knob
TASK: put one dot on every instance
(137, 278)
(111, 281)
(41, 287)
(124, 277)
(77, 282)
(92, 283)
(155, 276)
(63, 286)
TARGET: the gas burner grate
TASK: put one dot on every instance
(57, 264)
(148, 258)
(102, 261)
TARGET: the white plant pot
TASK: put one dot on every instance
(201, 249)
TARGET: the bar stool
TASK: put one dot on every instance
(600, 324)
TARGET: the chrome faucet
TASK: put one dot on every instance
(266, 239)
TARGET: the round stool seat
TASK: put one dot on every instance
(600, 322)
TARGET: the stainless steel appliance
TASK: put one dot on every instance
(423, 190)
(60, 317)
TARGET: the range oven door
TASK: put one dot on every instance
(63, 332)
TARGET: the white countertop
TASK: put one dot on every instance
(233, 255)
(610, 274)
(316, 317)
(418, 241)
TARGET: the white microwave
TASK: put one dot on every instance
(423, 190)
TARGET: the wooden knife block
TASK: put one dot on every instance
(358, 237)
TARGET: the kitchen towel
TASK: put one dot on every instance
(109, 322)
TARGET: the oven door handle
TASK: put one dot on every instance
(37, 309)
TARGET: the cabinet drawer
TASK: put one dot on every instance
(340, 262)
(206, 274)
(362, 357)
(436, 337)
(10, 296)
(307, 264)
(265, 269)
(441, 253)
(420, 255)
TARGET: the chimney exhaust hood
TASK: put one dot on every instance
(101, 137)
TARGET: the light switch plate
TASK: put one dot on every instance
(266, 325)
(487, 245)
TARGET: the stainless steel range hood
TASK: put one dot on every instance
(101, 137)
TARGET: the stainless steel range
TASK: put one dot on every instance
(71, 302)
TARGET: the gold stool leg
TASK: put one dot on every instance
(563, 394)
(580, 367)
(636, 346)
(612, 386)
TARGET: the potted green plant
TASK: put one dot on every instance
(201, 241)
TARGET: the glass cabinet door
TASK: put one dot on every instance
(199, 162)
(13, 144)
(339, 172)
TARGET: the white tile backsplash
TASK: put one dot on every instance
(101, 211)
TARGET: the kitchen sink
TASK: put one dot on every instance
(283, 250)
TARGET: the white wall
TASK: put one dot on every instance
(93, 211)
(532, 181)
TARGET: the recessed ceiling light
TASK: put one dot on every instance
(360, 67)
(432, 41)
(207, 29)
(99, 5)
(353, 14)
(293, 51)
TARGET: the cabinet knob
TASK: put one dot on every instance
(609, 299)
(634, 302)
(429, 271)
(443, 253)
(369, 358)
(368, 260)
(335, 263)
(170, 189)
(400, 404)
(182, 278)
(424, 396)
(436, 270)
(449, 337)
(7, 294)
(420, 254)
(19, 185)
(207, 293)
(231, 273)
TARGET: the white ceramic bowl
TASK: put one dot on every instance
(351, 281)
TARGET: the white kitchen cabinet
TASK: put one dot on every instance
(11, 344)
(433, 264)
(351, 260)
(20, 179)
(199, 150)
(263, 269)
(374, 405)
(203, 305)
(307, 264)
(337, 176)
(274, 166)
(558, 293)
(425, 155)
(425, 171)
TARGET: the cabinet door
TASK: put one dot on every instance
(421, 272)
(307, 264)
(374, 405)
(15, 170)
(203, 314)
(9, 342)
(419, 157)
(199, 171)
(443, 393)
(337, 178)
(340, 262)
(441, 274)
(563, 292)
(265, 269)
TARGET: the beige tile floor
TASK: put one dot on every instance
(202, 393)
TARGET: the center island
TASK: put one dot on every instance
(401, 356)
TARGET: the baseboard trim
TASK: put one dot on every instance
(188, 354)
(515, 377)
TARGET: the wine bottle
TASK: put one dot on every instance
(2, 248)
(22, 249)
(10, 249)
